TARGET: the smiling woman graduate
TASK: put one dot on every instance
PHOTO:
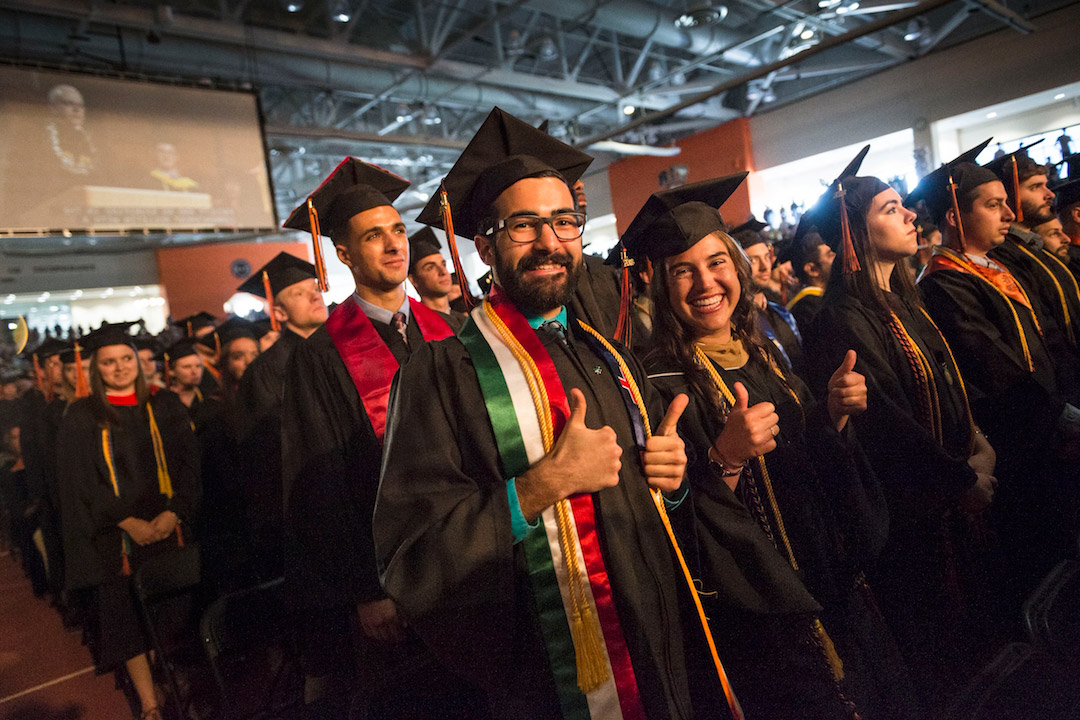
(127, 468)
(785, 514)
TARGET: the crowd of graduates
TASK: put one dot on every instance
(710, 475)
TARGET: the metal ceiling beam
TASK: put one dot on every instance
(1003, 14)
(828, 44)
(642, 20)
(323, 133)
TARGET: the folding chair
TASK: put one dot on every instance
(1052, 612)
(165, 581)
(248, 640)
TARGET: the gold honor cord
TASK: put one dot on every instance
(585, 628)
(924, 376)
(658, 501)
(967, 266)
(825, 643)
(959, 377)
(1060, 292)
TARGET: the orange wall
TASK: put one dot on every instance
(201, 278)
(716, 152)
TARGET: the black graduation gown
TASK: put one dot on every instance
(1035, 505)
(596, 299)
(445, 545)
(1074, 260)
(91, 510)
(259, 447)
(760, 611)
(37, 440)
(779, 326)
(803, 310)
(1041, 276)
(926, 580)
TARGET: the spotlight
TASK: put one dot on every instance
(293, 6)
(700, 13)
(340, 12)
(628, 109)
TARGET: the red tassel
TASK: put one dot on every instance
(316, 243)
(1016, 192)
(125, 564)
(82, 388)
(274, 324)
(179, 537)
(956, 209)
(851, 261)
(624, 327)
(448, 227)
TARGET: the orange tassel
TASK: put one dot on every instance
(179, 537)
(851, 261)
(1016, 192)
(274, 324)
(316, 242)
(217, 348)
(125, 564)
(624, 327)
(82, 388)
(190, 331)
(448, 227)
(956, 209)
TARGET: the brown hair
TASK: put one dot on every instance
(103, 410)
(673, 343)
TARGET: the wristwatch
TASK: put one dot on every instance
(721, 468)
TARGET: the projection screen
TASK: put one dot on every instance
(88, 154)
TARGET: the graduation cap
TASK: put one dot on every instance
(273, 277)
(232, 329)
(1068, 194)
(423, 243)
(943, 188)
(145, 342)
(353, 187)
(48, 348)
(503, 151)
(920, 190)
(829, 215)
(191, 323)
(753, 225)
(673, 221)
(182, 348)
(107, 334)
(1008, 169)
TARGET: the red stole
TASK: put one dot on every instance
(1002, 279)
(370, 363)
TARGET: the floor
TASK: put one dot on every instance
(45, 672)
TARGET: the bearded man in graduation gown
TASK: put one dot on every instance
(333, 417)
(990, 322)
(1067, 204)
(1051, 287)
(514, 441)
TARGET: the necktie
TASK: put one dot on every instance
(399, 323)
(555, 328)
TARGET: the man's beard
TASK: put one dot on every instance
(1037, 216)
(541, 295)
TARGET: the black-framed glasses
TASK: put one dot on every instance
(527, 228)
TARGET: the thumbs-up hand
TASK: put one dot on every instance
(581, 461)
(664, 457)
(748, 431)
(847, 392)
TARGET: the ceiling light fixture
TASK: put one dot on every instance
(991, 115)
(1059, 96)
(628, 109)
(340, 11)
(293, 6)
(700, 13)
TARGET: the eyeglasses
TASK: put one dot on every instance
(527, 228)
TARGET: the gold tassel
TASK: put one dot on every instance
(829, 650)
(588, 650)
(82, 388)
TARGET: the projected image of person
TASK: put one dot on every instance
(166, 173)
(66, 134)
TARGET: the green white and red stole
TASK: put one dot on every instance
(528, 409)
(369, 361)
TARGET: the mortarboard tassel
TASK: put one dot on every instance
(956, 209)
(166, 375)
(448, 227)
(217, 348)
(851, 261)
(274, 324)
(624, 327)
(190, 329)
(316, 243)
(82, 389)
(1019, 211)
